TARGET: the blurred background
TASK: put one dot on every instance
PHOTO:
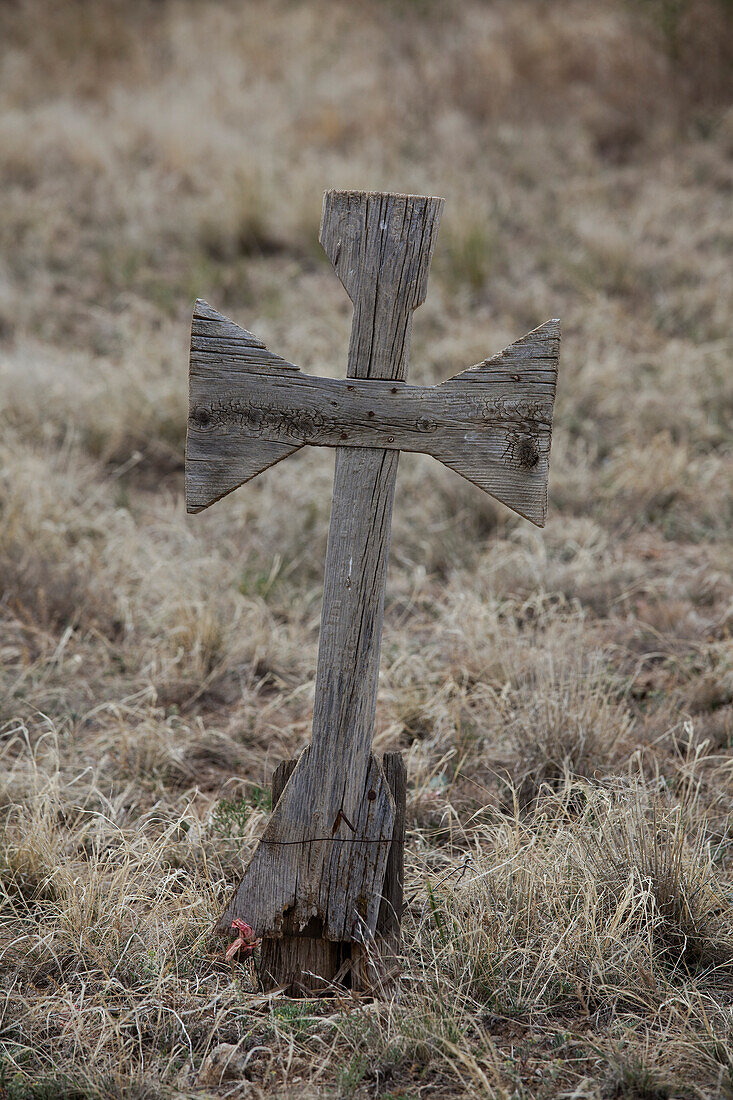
(156, 666)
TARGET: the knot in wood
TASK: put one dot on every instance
(201, 417)
(527, 452)
(253, 418)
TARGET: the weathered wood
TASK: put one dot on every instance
(310, 968)
(301, 962)
(492, 423)
(324, 886)
(280, 777)
(390, 910)
(324, 851)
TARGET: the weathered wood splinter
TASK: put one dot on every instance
(324, 886)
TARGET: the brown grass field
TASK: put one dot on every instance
(564, 698)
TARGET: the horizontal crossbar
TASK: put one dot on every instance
(249, 409)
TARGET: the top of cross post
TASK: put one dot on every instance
(380, 245)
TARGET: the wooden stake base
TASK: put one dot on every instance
(304, 962)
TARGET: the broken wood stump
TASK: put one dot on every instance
(318, 965)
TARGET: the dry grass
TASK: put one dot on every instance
(564, 699)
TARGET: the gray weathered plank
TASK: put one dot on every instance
(299, 962)
(390, 910)
(324, 851)
(309, 967)
(492, 423)
(375, 964)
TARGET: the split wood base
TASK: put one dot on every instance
(306, 963)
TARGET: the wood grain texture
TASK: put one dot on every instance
(300, 968)
(280, 778)
(301, 963)
(219, 348)
(492, 423)
(375, 964)
(324, 851)
(389, 921)
(380, 246)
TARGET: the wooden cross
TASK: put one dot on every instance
(315, 888)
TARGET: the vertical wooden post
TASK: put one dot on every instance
(375, 964)
(390, 910)
(319, 870)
